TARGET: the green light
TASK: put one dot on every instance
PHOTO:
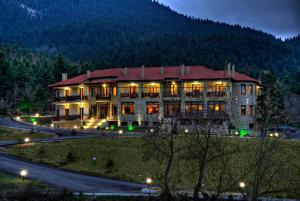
(112, 127)
(243, 132)
(130, 128)
(32, 119)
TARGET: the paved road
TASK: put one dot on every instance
(73, 181)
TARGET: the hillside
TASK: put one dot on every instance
(137, 32)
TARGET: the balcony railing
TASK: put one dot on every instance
(150, 95)
(216, 94)
(106, 97)
(129, 95)
(70, 98)
(194, 94)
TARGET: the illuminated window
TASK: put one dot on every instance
(196, 88)
(105, 90)
(67, 92)
(251, 110)
(192, 107)
(81, 91)
(115, 92)
(243, 89)
(153, 89)
(171, 108)
(152, 108)
(174, 89)
(216, 107)
(133, 90)
(127, 108)
(251, 89)
(243, 110)
(218, 87)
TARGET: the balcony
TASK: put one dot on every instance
(194, 94)
(150, 95)
(103, 97)
(129, 95)
(70, 98)
(216, 94)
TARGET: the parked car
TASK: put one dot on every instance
(282, 131)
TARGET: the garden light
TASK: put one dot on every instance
(23, 174)
(276, 134)
(37, 115)
(151, 130)
(18, 118)
(186, 130)
(52, 125)
(148, 181)
(27, 139)
(242, 184)
(34, 123)
(120, 132)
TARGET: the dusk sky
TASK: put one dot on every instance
(278, 17)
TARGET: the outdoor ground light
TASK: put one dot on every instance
(75, 127)
(52, 125)
(107, 128)
(186, 130)
(236, 132)
(18, 118)
(242, 184)
(23, 174)
(276, 134)
(120, 132)
(27, 139)
(37, 115)
(271, 135)
(148, 181)
(34, 123)
(151, 130)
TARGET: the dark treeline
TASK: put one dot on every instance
(116, 33)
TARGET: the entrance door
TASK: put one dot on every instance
(103, 110)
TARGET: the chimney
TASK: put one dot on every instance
(233, 71)
(229, 70)
(143, 72)
(182, 69)
(64, 76)
(125, 71)
(88, 73)
(187, 70)
(162, 70)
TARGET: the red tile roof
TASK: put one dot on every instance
(154, 73)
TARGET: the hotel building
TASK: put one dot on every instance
(145, 96)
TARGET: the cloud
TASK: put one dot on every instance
(278, 17)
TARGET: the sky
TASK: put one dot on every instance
(281, 18)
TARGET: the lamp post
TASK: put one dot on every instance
(94, 161)
(149, 182)
(23, 174)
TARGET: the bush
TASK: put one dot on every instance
(109, 165)
(72, 156)
(42, 151)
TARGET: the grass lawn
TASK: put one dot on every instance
(10, 184)
(123, 158)
(17, 134)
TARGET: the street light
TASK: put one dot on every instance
(23, 174)
(149, 182)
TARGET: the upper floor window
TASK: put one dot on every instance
(67, 92)
(153, 89)
(174, 89)
(115, 92)
(243, 88)
(152, 108)
(196, 88)
(243, 110)
(133, 89)
(250, 89)
(105, 90)
(127, 108)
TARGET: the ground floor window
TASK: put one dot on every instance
(152, 108)
(243, 110)
(216, 107)
(171, 108)
(127, 108)
(194, 107)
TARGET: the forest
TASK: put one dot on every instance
(42, 39)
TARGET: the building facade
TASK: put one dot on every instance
(146, 95)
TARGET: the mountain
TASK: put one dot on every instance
(137, 32)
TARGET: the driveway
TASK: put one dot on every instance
(65, 179)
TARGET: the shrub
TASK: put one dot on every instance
(42, 151)
(109, 165)
(72, 156)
